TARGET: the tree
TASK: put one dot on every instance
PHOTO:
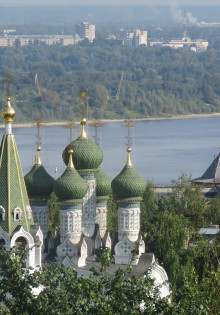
(60, 291)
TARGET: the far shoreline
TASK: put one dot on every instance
(64, 123)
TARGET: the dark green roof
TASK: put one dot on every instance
(38, 182)
(103, 183)
(13, 192)
(86, 154)
(70, 186)
(128, 184)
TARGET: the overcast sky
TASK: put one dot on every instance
(107, 2)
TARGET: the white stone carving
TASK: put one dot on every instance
(5, 236)
(30, 244)
(108, 241)
(123, 253)
(2, 214)
(128, 223)
(71, 225)
(40, 216)
(89, 209)
(101, 219)
(17, 214)
(67, 249)
(29, 212)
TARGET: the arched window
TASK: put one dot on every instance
(17, 214)
(2, 214)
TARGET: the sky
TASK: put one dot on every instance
(108, 2)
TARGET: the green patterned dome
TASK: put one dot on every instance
(128, 184)
(87, 155)
(70, 186)
(38, 182)
(103, 183)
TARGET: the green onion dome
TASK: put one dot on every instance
(128, 185)
(70, 187)
(103, 184)
(87, 155)
(38, 182)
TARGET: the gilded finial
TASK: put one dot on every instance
(8, 111)
(128, 163)
(70, 164)
(38, 160)
(83, 132)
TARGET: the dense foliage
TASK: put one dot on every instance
(156, 81)
(61, 292)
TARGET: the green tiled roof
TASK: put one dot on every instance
(38, 182)
(86, 154)
(13, 192)
(103, 183)
(70, 187)
(128, 184)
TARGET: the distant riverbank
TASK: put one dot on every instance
(51, 124)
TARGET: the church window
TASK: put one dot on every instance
(17, 214)
(2, 214)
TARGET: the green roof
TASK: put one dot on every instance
(128, 185)
(38, 182)
(13, 192)
(70, 187)
(103, 183)
(86, 154)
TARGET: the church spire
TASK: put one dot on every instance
(8, 111)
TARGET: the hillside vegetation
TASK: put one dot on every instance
(156, 81)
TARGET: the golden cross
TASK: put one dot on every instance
(8, 79)
(38, 124)
(71, 125)
(96, 125)
(129, 123)
(83, 97)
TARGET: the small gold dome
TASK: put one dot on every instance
(128, 163)
(70, 164)
(83, 133)
(8, 112)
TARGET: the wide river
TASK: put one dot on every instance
(161, 150)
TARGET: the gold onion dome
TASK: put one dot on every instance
(70, 187)
(38, 182)
(8, 111)
(128, 185)
(87, 154)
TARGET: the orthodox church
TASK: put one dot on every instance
(83, 191)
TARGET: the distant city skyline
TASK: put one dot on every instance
(111, 2)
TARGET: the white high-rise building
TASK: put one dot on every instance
(86, 30)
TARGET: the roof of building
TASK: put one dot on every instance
(13, 196)
(70, 187)
(103, 184)
(211, 175)
(128, 185)
(38, 182)
(87, 155)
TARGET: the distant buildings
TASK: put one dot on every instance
(135, 38)
(83, 30)
(25, 40)
(196, 45)
(86, 30)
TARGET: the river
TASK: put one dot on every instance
(161, 150)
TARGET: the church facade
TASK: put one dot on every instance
(82, 191)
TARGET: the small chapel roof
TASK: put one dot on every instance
(211, 175)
